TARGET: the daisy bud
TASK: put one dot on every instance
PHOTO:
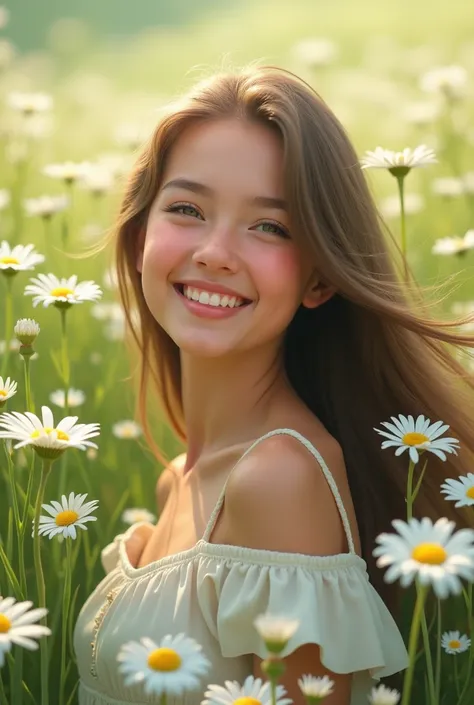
(26, 330)
(275, 631)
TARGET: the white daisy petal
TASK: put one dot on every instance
(17, 625)
(430, 552)
(143, 661)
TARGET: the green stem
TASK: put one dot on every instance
(46, 467)
(65, 615)
(29, 490)
(456, 675)
(3, 697)
(18, 523)
(273, 690)
(470, 621)
(438, 651)
(29, 405)
(17, 690)
(429, 660)
(65, 359)
(8, 322)
(411, 471)
(412, 643)
(403, 232)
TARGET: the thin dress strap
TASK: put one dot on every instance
(327, 474)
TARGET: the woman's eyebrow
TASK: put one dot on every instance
(266, 201)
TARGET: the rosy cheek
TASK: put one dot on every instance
(277, 269)
(163, 247)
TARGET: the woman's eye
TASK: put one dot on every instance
(278, 229)
(182, 208)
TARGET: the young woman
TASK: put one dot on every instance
(275, 328)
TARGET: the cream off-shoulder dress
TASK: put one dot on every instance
(213, 593)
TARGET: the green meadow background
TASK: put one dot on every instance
(111, 67)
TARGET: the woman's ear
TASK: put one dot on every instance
(140, 248)
(317, 294)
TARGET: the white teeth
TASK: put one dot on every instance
(211, 298)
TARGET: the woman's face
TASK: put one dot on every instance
(219, 218)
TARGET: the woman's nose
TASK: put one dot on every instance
(216, 250)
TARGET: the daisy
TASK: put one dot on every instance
(448, 80)
(66, 516)
(315, 51)
(126, 429)
(460, 491)
(7, 389)
(48, 289)
(419, 435)
(252, 691)
(75, 397)
(132, 516)
(448, 187)
(454, 643)
(69, 172)
(48, 441)
(171, 667)
(26, 330)
(383, 696)
(16, 625)
(45, 206)
(454, 245)
(275, 630)
(398, 163)
(315, 688)
(30, 103)
(429, 552)
(18, 258)
(98, 180)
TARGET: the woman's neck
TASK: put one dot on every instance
(228, 402)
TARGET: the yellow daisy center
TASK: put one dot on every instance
(469, 493)
(431, 553)
(454, 644)
(247, 700)
(61, 291)
(127, 432)
(164, 660)
(3, 392)
(414, 439)
(66, 518)
(9, 260)
(5, 624)
(47, 429)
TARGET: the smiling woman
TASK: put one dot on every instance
(250, 189)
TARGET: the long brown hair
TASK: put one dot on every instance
(373, 351)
